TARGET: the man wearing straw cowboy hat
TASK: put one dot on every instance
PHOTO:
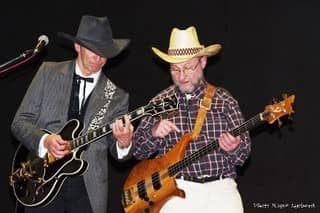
(206, 111)
(79, 89)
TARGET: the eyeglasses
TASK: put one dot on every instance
(187, 70)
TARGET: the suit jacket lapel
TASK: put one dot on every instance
(96, 100)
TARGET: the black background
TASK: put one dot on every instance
(269, 48)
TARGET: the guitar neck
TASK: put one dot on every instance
(180, 165)
(153, 108)
(104, 130)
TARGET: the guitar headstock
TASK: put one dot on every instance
(161, 105)
(275, 111)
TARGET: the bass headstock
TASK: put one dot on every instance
(278, 109)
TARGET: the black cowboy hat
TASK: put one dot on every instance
(95, 34)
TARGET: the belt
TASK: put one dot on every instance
(200, 180)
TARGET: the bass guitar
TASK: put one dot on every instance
(151, 182)
(36, 181)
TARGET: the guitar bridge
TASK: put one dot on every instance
(127, 197)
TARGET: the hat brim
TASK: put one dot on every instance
(207, 51)
(107, 50)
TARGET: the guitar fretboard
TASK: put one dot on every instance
(154, 108)
(103, 130)
(249, 124)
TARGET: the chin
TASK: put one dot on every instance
(186, 89)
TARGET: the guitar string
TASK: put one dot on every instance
(141, 185)
(168, 103)
(172, 100)
(207, 148)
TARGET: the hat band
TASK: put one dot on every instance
(184, 51)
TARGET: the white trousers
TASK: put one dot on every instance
(221, 196)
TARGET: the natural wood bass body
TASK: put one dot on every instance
(156, 193)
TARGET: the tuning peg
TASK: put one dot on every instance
(284, 95)
(279, 122)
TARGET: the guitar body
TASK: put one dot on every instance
(36, 181)
(149, 186)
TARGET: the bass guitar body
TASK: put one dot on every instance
(149, 184)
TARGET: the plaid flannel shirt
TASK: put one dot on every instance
(223, 116)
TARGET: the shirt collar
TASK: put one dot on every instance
(95, 76)
(195, 94)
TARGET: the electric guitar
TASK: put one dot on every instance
(151, 183)
(36, 181)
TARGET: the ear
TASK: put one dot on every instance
(76, 47)
(203, 61)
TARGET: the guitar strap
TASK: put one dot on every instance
(205, 105)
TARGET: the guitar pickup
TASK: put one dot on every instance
(156, 181)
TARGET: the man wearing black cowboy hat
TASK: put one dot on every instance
(78, 89)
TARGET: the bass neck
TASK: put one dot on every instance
(187, 161)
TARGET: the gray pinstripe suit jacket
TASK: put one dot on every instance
(45, 106)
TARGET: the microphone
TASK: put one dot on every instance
(43, 40)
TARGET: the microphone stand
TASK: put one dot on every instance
(21, 59)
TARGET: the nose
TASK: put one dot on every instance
(97, 58)
(181, 75)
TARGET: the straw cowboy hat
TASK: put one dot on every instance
(184, 45)
(95, 34)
